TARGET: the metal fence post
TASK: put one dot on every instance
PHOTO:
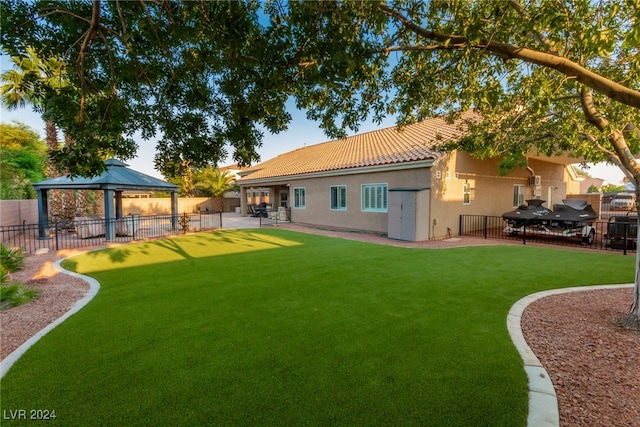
(55, 227)
(486, 220)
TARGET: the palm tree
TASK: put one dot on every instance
(26, 84)
(214, 183)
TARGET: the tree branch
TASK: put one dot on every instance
(94, 27)
(616, 137)
(389, 49)
(609, 88)
(538, 35)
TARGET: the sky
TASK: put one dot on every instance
(301, 132)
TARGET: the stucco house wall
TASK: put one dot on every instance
(455, 183)
(489, 193)
(318, 210)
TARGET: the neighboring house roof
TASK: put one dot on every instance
(393, 145)
(588, 182)
(117, 177)
(235, 170)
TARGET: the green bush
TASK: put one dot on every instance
(15, 294)
(4, 276)
(11, 259)
(12, 294)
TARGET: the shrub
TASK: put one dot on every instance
(4, 276)
(11, 259)
(15, 294)
(12, 294)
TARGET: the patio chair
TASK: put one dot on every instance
(261, 210)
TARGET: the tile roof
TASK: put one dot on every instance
(387, 146)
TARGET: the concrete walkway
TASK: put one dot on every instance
(232, 221)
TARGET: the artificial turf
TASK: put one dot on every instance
(274, 327)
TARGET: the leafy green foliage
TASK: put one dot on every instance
(593, 189)
(200, 76)
(4, 276)
(15, 294)
(521, 67)
(214, 183)
(610, 188)
(12, 294)
(545, 76)
(11, 259)
(22, 161)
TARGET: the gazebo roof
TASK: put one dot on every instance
(117, 177)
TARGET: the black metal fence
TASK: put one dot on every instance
(274, 217)
(617, 233)
(86, 233)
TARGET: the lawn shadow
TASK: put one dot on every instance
(172, 245)
(192, 246)
(250, 239)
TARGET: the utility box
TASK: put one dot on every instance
(408, 214)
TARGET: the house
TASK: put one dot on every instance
(395, 182)
(588, 185)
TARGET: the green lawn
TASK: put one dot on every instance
(272, 327)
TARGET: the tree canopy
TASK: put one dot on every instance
(205, 77)
(199, 75)
(545, 76)
(23, 156)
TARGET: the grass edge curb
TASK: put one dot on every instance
(543, 404)
(94, 287)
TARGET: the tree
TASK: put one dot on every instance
(202, 76)
(593, 189)
(28, 84)
(214, 183)
(22, 161)
(545, 76)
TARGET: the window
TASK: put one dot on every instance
(374, 197)
(518, 195)
(466, 193)
(339, 197)
(299, 198)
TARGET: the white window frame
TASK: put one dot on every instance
(374, 197)
(299, 197)
(338, 197)
(518, 195)
(466, 193)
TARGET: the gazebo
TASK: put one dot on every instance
(113, 181)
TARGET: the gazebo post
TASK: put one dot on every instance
(43, 215)
(118, 204)
(174, 210)
(109, 216)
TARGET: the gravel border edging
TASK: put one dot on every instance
(543, 404)
(94, 286)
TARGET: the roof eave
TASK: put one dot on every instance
(246, 182)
